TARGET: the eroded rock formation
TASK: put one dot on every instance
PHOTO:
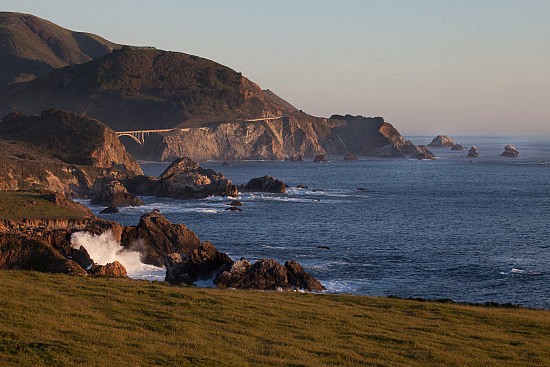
(265, 184)
(510, 151)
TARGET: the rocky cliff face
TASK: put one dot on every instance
(59, 151)
(32, 46)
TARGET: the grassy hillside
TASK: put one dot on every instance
(58, 320)
(29, 205)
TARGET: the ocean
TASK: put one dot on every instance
(472, 230)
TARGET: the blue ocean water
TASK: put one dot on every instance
(473, 230)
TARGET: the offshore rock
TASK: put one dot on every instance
(183, 179)
(441, 141)
(110, 210)
(265, 184)
(473, 153)
(267, 274)
(320, 158)
(510, 151)
(456, 146)
(110, 192)
(351, 157)
(110, 270)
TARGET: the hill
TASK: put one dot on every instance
(51, 319)
(218, 113)
(32, 46)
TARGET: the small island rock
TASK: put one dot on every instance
(473, 153)
(441, 141)
(510, 151)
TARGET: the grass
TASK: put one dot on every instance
(29, 205)
(59, 320)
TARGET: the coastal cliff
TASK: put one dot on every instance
(59, 151)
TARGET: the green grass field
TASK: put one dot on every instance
(20, 204)
(59, 320)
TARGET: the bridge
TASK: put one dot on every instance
(139, 135)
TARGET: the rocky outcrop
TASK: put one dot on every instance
(265, 184)
(110, 192)
(59, 151)
(155, 237)
(510, 151)
(320, 158)
(473, 152)
(268, 274)
(183, 179)
(456, 146)
(402, 148)
(441, 141)
(110, 270)
(21, 251)
(202, 262)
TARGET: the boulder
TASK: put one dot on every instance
(320, 158)
(441, 141)
(456, 146)
(110, 270)
(110, 210)
(351, 157)
(81, 257)
(265, 184)
(155, 237)
(183, 179)
(202, 262)
(510, 151)
(267, 274)
(111, 192)
(473, 153)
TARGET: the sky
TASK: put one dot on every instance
(428, 67)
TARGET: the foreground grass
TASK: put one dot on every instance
(57, 320)
(29, 205)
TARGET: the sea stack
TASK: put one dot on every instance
(441, 141)
(510, 151)
(473, 153)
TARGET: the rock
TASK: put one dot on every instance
(110, 270)
(320, 158)
(473, 153)
(456, 146)
(510, 151)
(265, 184)
(111, 192)
(323, 247)
(81, 257)
(421, 152)
(234, 209)
(110, 210)
(441, 141)
(351, 157)
(295, 158)
(235, 203)
(361, 188)
(267, 274)
(301, 187)
(155, 237)
(300, 279)
(183, 179)
(22, 251)
(225, 163)
(200, 263)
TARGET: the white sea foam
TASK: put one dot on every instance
(103, 249)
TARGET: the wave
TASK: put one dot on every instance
(525, 272)
(104, 249)
(341, 286)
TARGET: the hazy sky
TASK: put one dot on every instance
(453, 67)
